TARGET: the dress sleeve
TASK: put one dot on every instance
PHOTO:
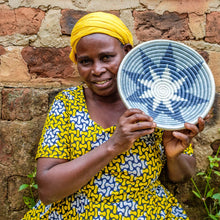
(54, 142)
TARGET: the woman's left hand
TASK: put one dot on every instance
(175, 142)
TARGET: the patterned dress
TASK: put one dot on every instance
(127, 188)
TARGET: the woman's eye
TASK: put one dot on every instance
(84, 62)
(106, 58)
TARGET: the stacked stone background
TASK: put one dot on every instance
(34, 66)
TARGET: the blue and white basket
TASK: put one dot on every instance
(167, 80)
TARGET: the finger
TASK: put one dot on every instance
(193, 130)
(140, 133)
(142, 125)
(207, 117)
(136, 117)
(132, 111)
(201, 124)
(185, 139)
(146, 132)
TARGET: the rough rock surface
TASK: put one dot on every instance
(22, 20)
(49, 62)
(170, 25)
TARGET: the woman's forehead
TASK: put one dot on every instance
(98, 39)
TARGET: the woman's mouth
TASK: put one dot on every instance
(102, 82)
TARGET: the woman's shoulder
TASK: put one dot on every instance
(70, 93)
(68, 98)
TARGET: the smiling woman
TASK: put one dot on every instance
(96, 158)
(98, 57)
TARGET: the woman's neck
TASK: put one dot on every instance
(105, 111)
(111, 99)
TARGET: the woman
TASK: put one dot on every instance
(97, 159)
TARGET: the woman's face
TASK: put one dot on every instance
(98, 58)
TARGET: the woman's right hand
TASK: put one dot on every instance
(132, 125)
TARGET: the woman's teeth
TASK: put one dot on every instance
(102, 82)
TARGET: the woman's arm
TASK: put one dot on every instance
(59, 178)
(181, 166)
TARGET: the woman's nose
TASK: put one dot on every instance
(98, 68)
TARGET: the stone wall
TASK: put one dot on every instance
(34, 66)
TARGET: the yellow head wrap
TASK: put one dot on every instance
(99, 22)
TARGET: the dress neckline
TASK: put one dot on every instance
(86, 110)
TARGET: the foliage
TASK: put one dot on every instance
(30, 200)
(210, 196)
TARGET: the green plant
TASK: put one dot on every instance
(210, 196)
(30, 201)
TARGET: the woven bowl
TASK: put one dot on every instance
(167, 80)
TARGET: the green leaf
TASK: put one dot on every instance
(23, 186)
(213, 217)
(207, 178)
(211, 159)
(30, 175)
(212, 165)
(29, 202)
(216, 196)
(210, 193)
(217, 173)
(197, 194)
(216, 164)
(200, 174)
(35, 186)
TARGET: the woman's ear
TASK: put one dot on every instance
(127, 48)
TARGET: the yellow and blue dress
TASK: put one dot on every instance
(127, 188)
